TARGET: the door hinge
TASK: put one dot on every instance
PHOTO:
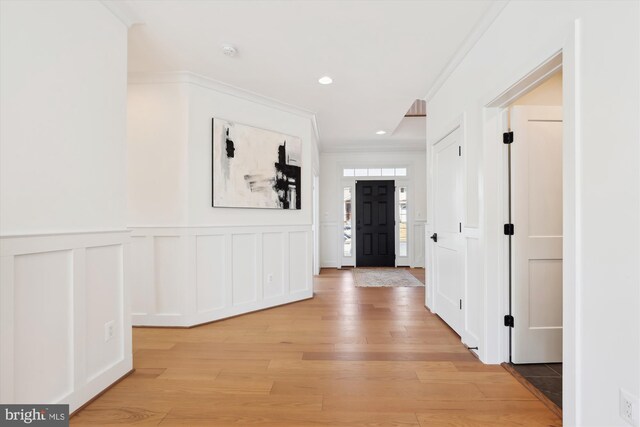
(508, 321)
(460, 227)
(508, 229)
(507, 137)
(460, 304)
(459, 150)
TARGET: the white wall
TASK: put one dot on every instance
(157, 130)
(331, 196)
(603, 52)
(64, 243)
(194, 263)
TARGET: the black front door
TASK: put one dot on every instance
(375, 224)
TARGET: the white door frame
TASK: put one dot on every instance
(400, 181)
(563, 54)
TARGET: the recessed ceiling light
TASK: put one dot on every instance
(325, 80)
(381, 132)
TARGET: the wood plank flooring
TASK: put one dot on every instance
(348, 357)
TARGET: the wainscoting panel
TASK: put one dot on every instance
(418, 244)
(211, 274)
(169, 273)
(299, 260)
(104, 288)
(58, 294)
(219, 272)
(43, 332)
(330, 246)
(143, 294)
(244, 263)
(273, 252)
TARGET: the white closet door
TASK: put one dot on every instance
(536, 201)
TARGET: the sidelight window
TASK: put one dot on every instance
(402, 214)
(346, 231)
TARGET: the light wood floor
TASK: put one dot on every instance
(349, 357)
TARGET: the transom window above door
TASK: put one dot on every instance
(374, 172)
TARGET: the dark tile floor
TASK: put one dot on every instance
(546, 377)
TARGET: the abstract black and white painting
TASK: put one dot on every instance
(255, 168)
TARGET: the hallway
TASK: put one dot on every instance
(348, 357)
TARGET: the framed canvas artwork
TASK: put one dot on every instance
(255, 168)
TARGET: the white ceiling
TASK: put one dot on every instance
(382, 55)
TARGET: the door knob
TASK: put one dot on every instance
(434, 237)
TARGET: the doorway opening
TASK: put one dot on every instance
(533, 141)
(402, 203)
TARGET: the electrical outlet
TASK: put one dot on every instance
(109, 330)
(629, 408)
(269, 277)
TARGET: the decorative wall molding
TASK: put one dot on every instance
(185, 276)
(418, 243)
(476, 33)
(122, 11)
(330, 247)
(57, 293)
(209, 83)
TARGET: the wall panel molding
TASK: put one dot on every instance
(221, 271)
(57, 293)
(418, 243)
(330, 244)
(218, 86)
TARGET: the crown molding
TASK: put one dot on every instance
(188, 77)
(474, 36)
(316, 132)
(122, 11)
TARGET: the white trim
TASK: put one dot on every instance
(189, 320)
(122, 11)
(213, 227)
(82, 385)
(538, 67)
(476, 33)
(20, 245)
(63, 233)
(316, 131)
(294, 268)
(525, 85)
(172, 77)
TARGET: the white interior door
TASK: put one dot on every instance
(448, 252)
(536, 203)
